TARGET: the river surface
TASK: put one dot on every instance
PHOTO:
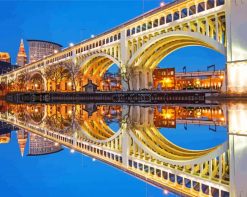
(123, 150)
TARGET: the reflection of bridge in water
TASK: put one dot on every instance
(138, 147)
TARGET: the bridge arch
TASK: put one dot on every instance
(150, 54)
(171, 42)
(94, 66)
(40, 84)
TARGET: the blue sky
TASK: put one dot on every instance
(73, 21)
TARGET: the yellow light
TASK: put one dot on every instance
(69, 84)
(56, 144)
(55, 51)
(36, 85)
(69, 112)
(36, 110)
(221, 77)
(166, 192)
(162, 4)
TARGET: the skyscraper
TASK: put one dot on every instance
(38, 49)
(21, 57)
(22, 136)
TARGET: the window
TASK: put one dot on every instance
(176, 16)
(133, 31)
(144, 27)
(210, 4)
(220, 2)
(138, 29)
(169, 18)
(184, 13)
(162, 20)
(156, 23)
(192, 10)
(201, 7)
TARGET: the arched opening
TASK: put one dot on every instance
(201, 52)
(36, 83)
(103, 70)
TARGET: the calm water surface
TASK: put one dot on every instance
(100, 150)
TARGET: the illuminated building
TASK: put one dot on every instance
(164, 78)
(5, 138)
(39, 49)
(21, 56)
(111, 82)
(41, 146)
(22, 136)
(5, 57)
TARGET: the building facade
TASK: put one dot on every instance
(41, 146)
(38, 49)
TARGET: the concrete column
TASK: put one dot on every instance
(207, 27)
(237, 129)
(125, 147)
(236, 26)
(136, 84)
(216, 27)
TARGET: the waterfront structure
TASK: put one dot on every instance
(138, 45)
(21, 56)
(38, 49)
(5, 57)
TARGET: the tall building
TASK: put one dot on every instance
(22, 136)
(4, 57)
(21, 57)
(41, 146)
(38, 49)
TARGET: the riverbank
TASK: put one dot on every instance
(151, 97)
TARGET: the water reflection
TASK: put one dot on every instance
(148, 142)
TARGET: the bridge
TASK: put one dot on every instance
(139, 149)
(137, 46)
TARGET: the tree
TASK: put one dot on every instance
(56, 73)
(127, 75)
(73, 69)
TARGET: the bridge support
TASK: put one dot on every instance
(237, 114)
(236, 25)
(141, 79)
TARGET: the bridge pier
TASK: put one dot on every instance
(236, 26)
(141, 79)
(237, 114)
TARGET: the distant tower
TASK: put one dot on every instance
(22, 136)
(21, 57)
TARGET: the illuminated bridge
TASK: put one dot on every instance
(139, 149)
(137, 47)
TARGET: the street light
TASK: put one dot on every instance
(92, 36)
(71, 44)
(162, 4)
